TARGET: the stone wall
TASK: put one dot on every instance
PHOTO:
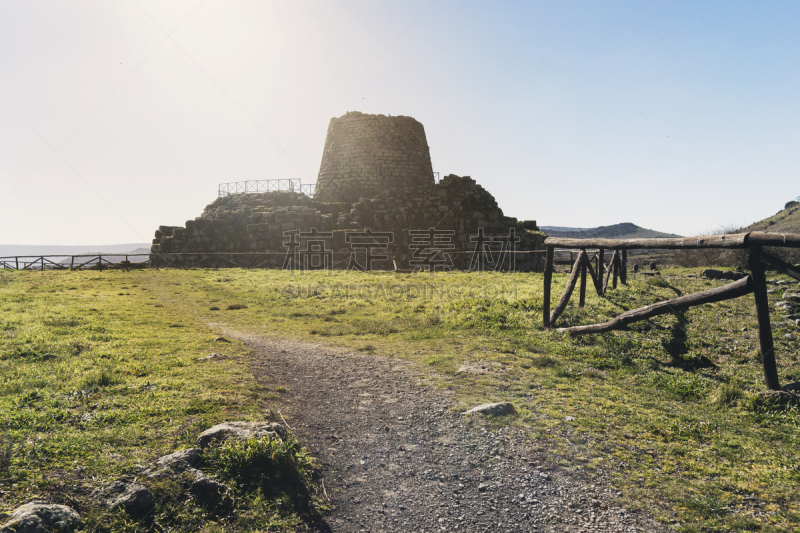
(366, 154)
(256, 223)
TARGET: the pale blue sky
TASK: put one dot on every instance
(678, 116)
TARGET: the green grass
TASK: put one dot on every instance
(96, 383)
(666, 411)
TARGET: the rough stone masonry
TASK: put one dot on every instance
(375, 173)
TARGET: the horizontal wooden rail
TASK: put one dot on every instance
(733, 240)
(782, 240)
(712, 241)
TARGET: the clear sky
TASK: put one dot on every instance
(117, 116)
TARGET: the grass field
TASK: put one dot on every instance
(100, 373)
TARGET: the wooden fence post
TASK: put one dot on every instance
(608, 273)
(615, 266)
(623, 272)
(585, 260)
(601, 266)
(548, 279)
(41, 263)
(16, 262)
(762, 312)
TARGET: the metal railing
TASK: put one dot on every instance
(259, 186)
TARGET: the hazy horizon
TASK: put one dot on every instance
(119, 117)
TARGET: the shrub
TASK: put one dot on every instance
(275, 467)
(706, 506)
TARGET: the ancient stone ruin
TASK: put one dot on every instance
(367, 154)
(375, 186)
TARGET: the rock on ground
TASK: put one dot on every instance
(38, 517)
(396, 457)
(502, 408)
(240, 431)
(180, 460)
(135, 499)
(182, 466)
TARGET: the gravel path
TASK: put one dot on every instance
(396, 458)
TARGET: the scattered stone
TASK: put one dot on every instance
(221, 339)
(135, 499)
(181, 460)
(653, 266)
(635, 268)
(240, 431)
(39, 516)
(789, 306)
(569, 418)
(501, 408)
(792, 295)
(182, 466)
(212, 356)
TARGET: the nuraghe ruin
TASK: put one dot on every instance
(375, 173)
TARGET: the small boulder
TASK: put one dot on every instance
(792, 296)
(213, 356)
(653, 266)
(39, 516)
(635, 268)
(221, 339)
(135, 499)
(240, 431)
(710, 273)
(180, 461)
(501, 408)
(207, 490)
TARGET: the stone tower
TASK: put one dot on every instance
(365, 155)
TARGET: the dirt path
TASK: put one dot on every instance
(396, 458)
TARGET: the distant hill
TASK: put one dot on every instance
(7, 250)
(626, 230)
(787, 220)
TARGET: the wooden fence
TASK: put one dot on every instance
(617, 268)
(247, 260)
(76, 262)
